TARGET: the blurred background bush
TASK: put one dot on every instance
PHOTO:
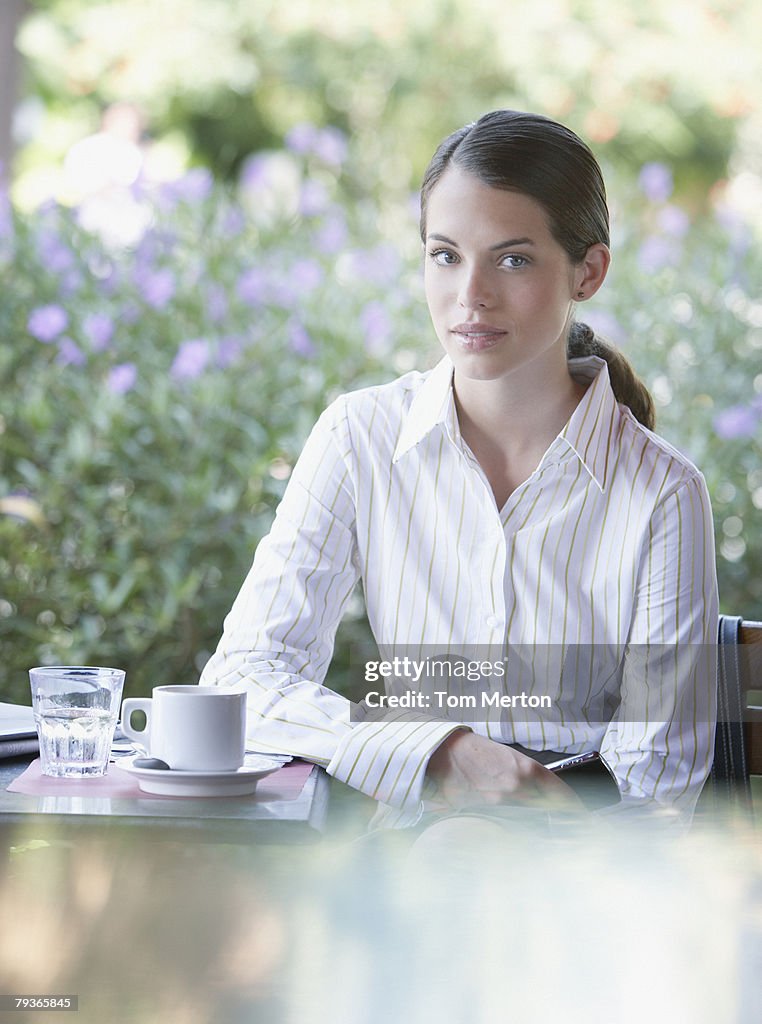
(208, 230)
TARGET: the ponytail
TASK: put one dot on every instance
(628, 388)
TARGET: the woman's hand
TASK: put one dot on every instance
(470, 770)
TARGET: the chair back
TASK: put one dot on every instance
(738, 742)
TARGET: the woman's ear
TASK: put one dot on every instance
(591, 272)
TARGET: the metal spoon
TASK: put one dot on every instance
(151, 762)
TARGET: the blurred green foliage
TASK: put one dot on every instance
(678, 82)
(143, 452)
(682, 299)
(162, 378)
(162, 391)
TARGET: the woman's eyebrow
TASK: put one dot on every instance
(493, 248)
(511, 241)
(443, 238)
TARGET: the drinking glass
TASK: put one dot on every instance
(76, 709)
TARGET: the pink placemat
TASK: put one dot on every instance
(285, 784)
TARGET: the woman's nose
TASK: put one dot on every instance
(475, 290)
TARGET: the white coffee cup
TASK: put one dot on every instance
(192, 728)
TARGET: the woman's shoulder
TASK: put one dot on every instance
(391, 398)
(668, 466)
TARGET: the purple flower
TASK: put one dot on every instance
(106, 276)
(191, 360)
(331, 146)
(282, 287)
(379, 265)
(216, 303)
(302, 138)
(313, 198)
(194, 186)
(53, 253)
(656, 253)
(228, 351)
(251, 288)
(377, 328)
(155, 286)
(300, 341)
(287, 286)
(605, 324)
(70, 282)
(147, 251)
(255, 172)
(98, 328)
(130, 313)
(6, 216)
(122, 378)
(655, 181)
(47, 212)
(736, 421)
(69, 353)
(736, 228)
(306, 275)
(332, 235)
(47, 322)
(328, 144)
(233, 222)
(674, 221)
(281, 290)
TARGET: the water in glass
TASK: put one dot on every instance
(74, 741)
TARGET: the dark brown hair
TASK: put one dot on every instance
(531, 154)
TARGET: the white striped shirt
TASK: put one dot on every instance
(603, 556)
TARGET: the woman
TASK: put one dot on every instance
(507, 498)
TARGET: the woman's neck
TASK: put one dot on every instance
(509, 423)
(519, 411)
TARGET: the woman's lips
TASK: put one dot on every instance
(477, 337)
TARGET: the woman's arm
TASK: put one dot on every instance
(278, 637)
(661, 741)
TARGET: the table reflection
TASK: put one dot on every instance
(598, 923)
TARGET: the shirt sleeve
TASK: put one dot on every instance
(660, 743)
(278, 638)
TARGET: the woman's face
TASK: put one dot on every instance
(500, 288)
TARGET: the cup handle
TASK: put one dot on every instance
(143, 736)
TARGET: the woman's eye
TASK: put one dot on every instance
(514, 261)
(443, 257)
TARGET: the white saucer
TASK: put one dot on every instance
(241, 782)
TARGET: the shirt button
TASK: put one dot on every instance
(493, 621)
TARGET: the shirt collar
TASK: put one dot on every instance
(593, 426)
(589, 432)
(429, 407)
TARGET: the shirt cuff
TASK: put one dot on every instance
(387, 760)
